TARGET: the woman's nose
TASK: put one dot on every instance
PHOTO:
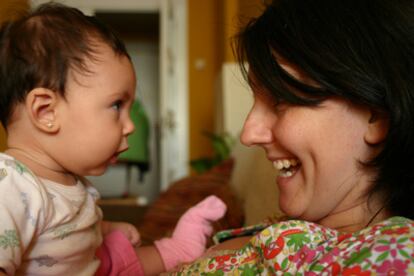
(256, 130)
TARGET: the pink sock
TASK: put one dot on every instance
(117, 256)
(189, 239)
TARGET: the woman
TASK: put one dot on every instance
(333, 109)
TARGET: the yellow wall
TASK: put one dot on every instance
(211, 25)
(236, 14)
(204, 24)
(11, 9)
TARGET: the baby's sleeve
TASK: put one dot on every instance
(20, 209)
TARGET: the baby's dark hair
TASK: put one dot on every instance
(39, 49)
(359, 50)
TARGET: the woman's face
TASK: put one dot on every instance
(315, 151)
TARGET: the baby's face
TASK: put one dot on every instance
(315, 150)
(95, 118)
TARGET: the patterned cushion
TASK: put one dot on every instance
(161, 217)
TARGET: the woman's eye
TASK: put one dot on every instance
(117, 105)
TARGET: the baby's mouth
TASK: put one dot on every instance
(286, 167)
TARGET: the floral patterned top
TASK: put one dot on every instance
(303, 248)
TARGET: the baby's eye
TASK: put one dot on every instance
(117, 105)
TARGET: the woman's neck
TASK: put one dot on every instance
(358, 216)
(42, 166)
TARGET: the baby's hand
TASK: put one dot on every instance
(189, 238)
(129, 230)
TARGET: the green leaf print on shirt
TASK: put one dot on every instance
(19, 167)
(358, 257)
(15, 165)
(298, 240)
(249, 270)
(9, 239)
(217, 273)
(64, 231)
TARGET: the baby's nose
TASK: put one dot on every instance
(129, 127)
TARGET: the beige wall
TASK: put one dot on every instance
(253, 175)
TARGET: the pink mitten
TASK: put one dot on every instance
(189, 239)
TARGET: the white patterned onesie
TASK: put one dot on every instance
(46, 228)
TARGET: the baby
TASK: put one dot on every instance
(66, 88)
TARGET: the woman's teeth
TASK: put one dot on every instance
(285, 163)
(286, 167)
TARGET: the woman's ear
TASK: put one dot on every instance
(377, 128)
(41, 108)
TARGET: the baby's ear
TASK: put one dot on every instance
(41, 108)
(377, 128)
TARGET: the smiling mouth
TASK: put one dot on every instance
(286, 167)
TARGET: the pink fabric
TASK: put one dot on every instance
(189, 239)
(118, 257)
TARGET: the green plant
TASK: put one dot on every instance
(222, 146)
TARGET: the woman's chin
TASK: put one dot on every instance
(291, 209)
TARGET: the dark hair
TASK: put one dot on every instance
(39, 49)
(359, 50)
